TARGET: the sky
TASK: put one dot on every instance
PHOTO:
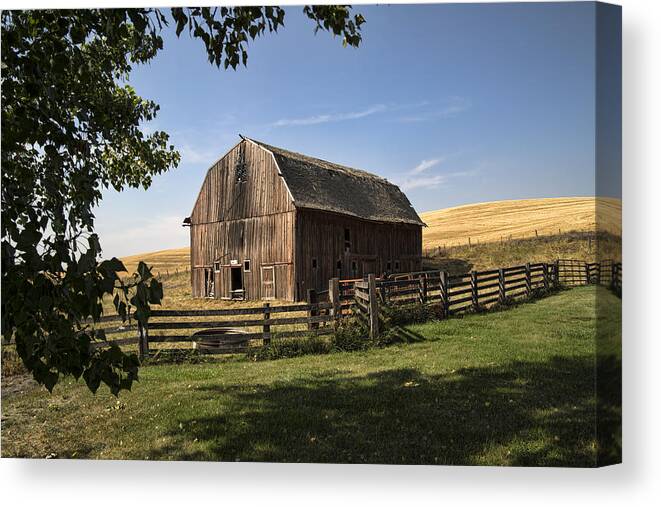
(455, 103)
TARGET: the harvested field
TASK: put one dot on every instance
(491, 222)
(162, 261)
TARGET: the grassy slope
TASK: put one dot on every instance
(586, 246)
(496, 221)
(508, 388)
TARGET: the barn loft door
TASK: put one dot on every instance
(268, 282)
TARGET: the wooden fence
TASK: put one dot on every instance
(477, 290)
(232, 330)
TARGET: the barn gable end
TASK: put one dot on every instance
(243, 213)
(261, 191)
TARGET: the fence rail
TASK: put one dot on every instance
(478, 289)
(230, 330)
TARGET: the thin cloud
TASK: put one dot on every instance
(427, 164)
(328, 118)
(452, 107)
(192, 155)
(422, 181)
(418, 176)
(432, 181)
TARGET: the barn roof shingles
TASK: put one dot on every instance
(319, 184)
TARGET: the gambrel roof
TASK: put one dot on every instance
(326, 186)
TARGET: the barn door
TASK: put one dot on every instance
(268, 282)
(209, 283)
(236, 283)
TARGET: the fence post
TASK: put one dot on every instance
(501, 286)
(334, 300)
(445, 293)
(266, 329)
(314, 309)
(528, 280)
(587, 273)
(545, 266)
(373, 306)
(556, 274)
(423, 290)
(614, 276)
(143, 341)
(474, 295)
(382, 294)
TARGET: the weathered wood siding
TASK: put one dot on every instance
(263, 192)
(253, 218)
(321, 236)
(248, 220)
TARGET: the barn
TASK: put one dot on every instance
(270, 223)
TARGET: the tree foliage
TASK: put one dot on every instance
(71, 127)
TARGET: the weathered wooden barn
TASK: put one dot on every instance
(270, 224)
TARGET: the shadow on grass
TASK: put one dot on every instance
(522, 413)
(405, 335)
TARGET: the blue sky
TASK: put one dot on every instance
(456, 103)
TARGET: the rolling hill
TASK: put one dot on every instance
(491, 222)
(487, 222)
(162, 260)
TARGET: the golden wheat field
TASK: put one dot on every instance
(497, 221)
(162, 261)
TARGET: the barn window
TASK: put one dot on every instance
(216, 266)
(388, 266)
(241, 173)
(396, 265)
(347, 240)
(314, 263)
(354, 268)
(246, 265)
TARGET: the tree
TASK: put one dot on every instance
(71, 126)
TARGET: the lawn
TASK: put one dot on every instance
(515, 387)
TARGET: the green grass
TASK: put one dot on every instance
(506, 388)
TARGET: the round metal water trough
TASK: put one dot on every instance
(220, 340)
